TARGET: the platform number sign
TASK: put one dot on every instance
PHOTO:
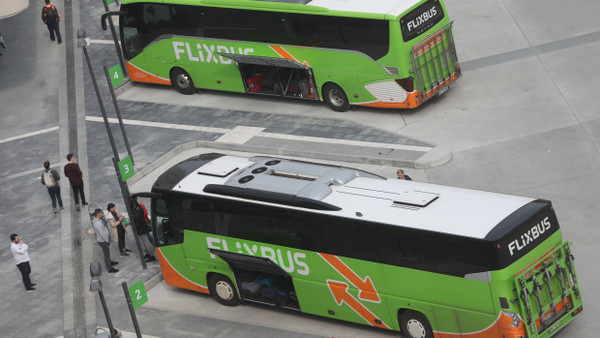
(126, 168)
(138, 295)
(116, 75)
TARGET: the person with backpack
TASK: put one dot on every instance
(50, 179)
(51, 18)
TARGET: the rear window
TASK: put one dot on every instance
(421, 19)
(522, 231)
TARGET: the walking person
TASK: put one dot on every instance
(50, 179)
(51, 18)
(117, 227)
(19, 251)
(142, 230)
(75, 176)
(103, 239)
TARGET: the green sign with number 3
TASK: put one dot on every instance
(116, 75)
(138, 295)
(126, 168)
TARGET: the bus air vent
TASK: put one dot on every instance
(298, 176)
(217, 169)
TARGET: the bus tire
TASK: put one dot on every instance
(335, 97)
(223, 290)
(415, 325)
(182, 81)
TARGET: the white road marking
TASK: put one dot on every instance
(34, 133)
(240, 135)
(247, 130)
(102, 42)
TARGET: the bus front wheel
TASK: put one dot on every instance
(415, 325)
(182, 81)
(335, 97)
(223, 290)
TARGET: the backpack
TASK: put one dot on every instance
(51, 14)
(48, 179)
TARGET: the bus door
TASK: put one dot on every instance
(260, 280)
(275, 76)
(547, 290)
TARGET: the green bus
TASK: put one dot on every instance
(391, 54)
(424, 259)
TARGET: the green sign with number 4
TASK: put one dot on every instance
(116, 75)
(126, 168)
(138, 295)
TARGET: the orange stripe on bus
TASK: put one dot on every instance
(283, 53)
(174, 278)
(139, 75)
(501, 327)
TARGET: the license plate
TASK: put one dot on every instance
(554, 327)
(442, 90)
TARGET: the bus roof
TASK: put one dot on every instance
(377, 7)
(343, 192)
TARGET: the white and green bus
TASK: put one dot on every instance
(424, 259)
(381, 53)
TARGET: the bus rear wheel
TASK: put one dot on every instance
(223, 290)
(182, 81)
(335, 97)
(415, 325)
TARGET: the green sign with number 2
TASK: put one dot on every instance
(138, 295)
(126, 168)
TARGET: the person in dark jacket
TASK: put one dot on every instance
(75, 176)
(142, 230)
(51, 18)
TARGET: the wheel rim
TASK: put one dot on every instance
(336, 97)
(183, 80)
(224, 290)
(415, 328)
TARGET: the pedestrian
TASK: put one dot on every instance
(142, 230)
(75, 176)
(51, 18)
(402, 176)
(103, 239)
(50, 179)
(117, 227)
(19, 251)
(147, 219)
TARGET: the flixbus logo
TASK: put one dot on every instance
(528, 237)
(289, 261)
(422, 19)
(206, 53)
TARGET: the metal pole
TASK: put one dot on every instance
(114, 35)
(110, 136)
(108, 321)
(126, 197)
(122, 185)
(136, 326)
(118, 111)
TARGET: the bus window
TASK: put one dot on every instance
(160, 220)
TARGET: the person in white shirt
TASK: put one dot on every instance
(19, 251)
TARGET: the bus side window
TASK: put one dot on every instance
(198, 215)
(160, 221)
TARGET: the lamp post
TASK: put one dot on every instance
(83, 41)
(96, 285)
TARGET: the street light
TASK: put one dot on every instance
(83, 41)
(96, 285)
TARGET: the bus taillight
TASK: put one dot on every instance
(406, 83)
